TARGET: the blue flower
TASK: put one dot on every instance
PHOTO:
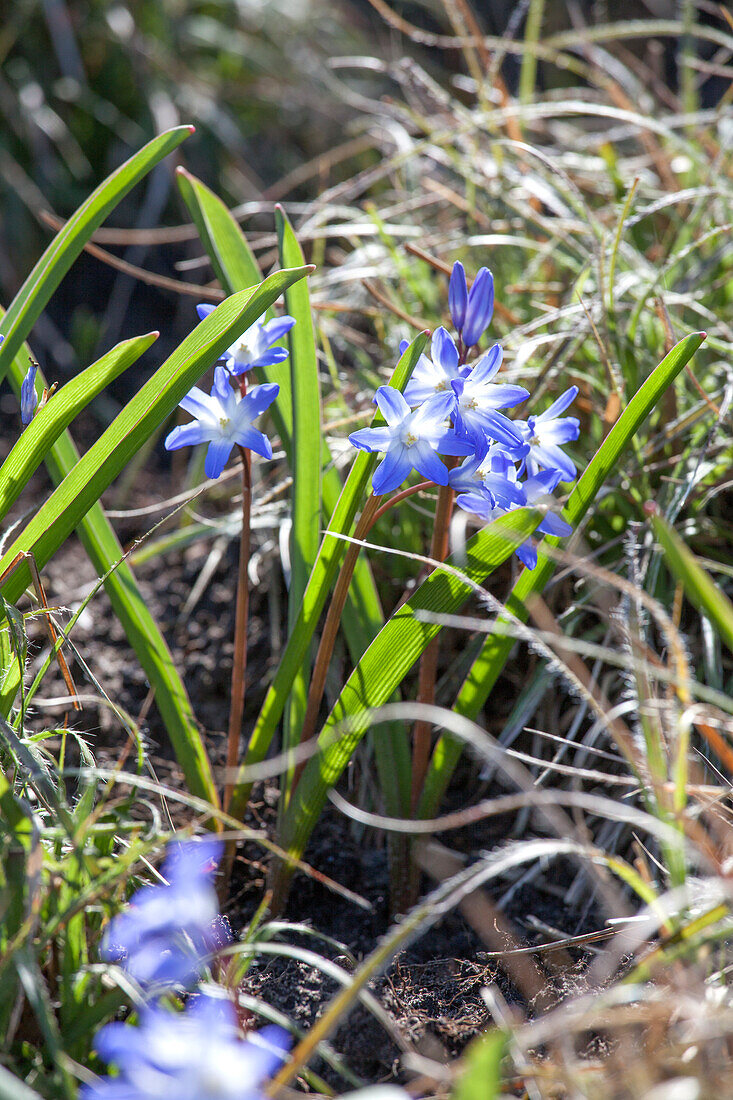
(435, 374)
(28, 395)
(166, 933)
(224, 419)
(410, 439)
(471, 311)
(477, 400)
(547, 432)
(489, 471)
(254, 347)
(192, 1055)
(483, 502)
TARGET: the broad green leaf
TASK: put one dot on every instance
(480, 1073)
(700, 589)
(488, 665)
(31, 299)
(86, 479)
(49, 422)
(305, 534)
(322, 577)
(388, 660)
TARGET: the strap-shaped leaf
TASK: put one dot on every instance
(35, 292)
(236, 267)
(149, 408)
(700, 589)
(49, 422)
(305, 534)
(388, 660)
(82, 481)
(488, 665)
(322, 577)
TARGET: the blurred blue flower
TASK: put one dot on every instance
(223, 419)
(471, 311)
(410, 440)
(546, 433)
(163, 938)
(254, 347)
(434, 374)
(192, 1055)
(28, 395)
(477, 400)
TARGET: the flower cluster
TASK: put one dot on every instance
(164, 940)
(454, 407)
(224, 418)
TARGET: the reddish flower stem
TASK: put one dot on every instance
(239, 660)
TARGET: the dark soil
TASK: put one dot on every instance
(432, 991)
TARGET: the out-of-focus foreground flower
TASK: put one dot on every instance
(192, 1055)
(163, 938)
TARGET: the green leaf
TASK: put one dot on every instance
(49, 422)
(322, 577)
(31, 299)
(480, 1075)
(488, 665)
(236, 269)
(150, 407)
(700, 589)
(387, 661)
(305, 534)
(91, 475)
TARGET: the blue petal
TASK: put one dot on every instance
(499, 427)
(254, 441)
(392, 405)
(553, 524)
(560, 405)
(260, 398)
(392, 470)
(542, 483)
(217, 456)
(458, 295)
(450, 443)
(404, 345)
(504, 396)
(371, 439)
(560, 431)
(552, 458)
(221, 388)
(204, 310)
(276, 329)
(426, 462)
(488, 365)
(504, 491)
(480, 307)
(527, 553)
(187, 435)
(480, 504)
(196, 402)
(274, 355)
(444, 351)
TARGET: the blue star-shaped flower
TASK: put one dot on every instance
(223, 420)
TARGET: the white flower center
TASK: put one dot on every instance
(410, 439)
(224, 423)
